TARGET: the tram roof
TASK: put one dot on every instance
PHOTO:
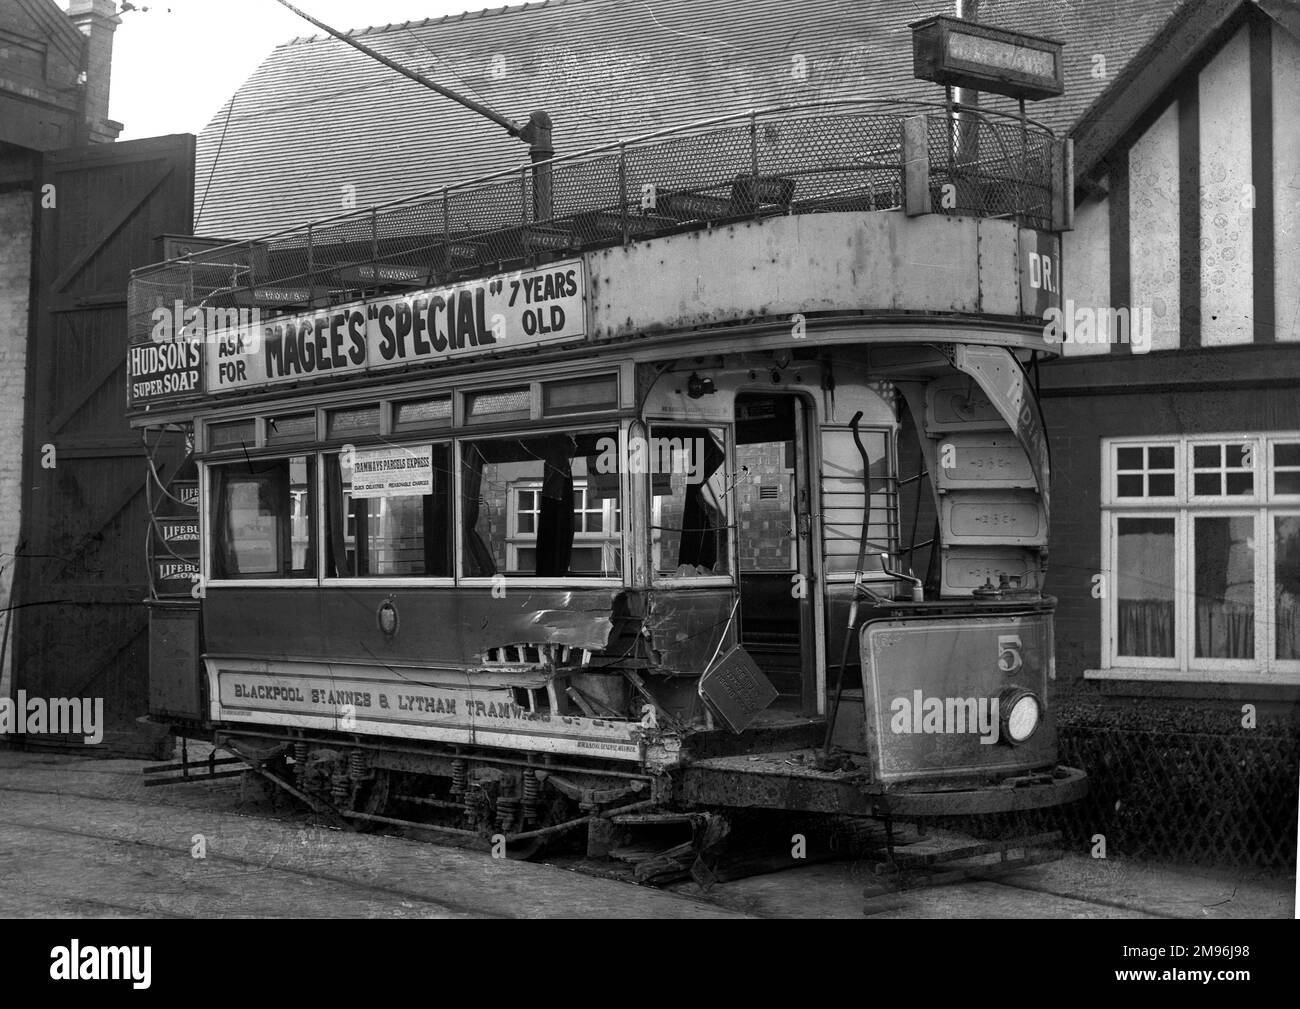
(605, 70)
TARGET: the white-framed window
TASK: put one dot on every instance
(1201, 558)
(597, 530)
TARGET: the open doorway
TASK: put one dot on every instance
(773, 534)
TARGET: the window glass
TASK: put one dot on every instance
(1223, 554)
(388, 512)
(1286, 467)
(1144, 576)
(418, 413)
(1224, 469)
(1144, 471)
(352, 421)
(547, 506)
(1286, 585)
(301, 427)
(583, 395)
(232, 434)
(689, 534)
(263, 519)
(498, 404)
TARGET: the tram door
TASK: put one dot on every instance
(775, 542)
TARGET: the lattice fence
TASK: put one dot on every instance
(1189, 798)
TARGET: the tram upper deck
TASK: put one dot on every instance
(839, 223)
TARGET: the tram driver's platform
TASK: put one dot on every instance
(791, 780)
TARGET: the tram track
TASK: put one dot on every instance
(218, 803)
(272, 851)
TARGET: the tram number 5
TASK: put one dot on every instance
(1009, 659)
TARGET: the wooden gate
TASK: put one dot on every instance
(80, 626)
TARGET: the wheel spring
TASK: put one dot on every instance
(459, 773)
(532, 792)
(507, 811)
(357, 766)
(340, 787)
(299, 763)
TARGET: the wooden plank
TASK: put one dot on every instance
(101, 238)
(79, 398)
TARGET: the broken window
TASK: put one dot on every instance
(689, 533)
(388, 512)
(547, 506)
(263, 519)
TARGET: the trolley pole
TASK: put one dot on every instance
(536, 133)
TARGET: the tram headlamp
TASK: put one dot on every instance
(1020, 712)
(697, 387)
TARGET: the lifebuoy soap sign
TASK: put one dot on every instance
(510, 311)
(391, 472)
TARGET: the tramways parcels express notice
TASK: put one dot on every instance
(515, 310)
(511, 311)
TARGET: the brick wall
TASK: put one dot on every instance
(15, 277)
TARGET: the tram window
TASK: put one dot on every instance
(263, 519)
(689, 535)
(388, 535)
(352, 422)
(842, 496)
(233, 434)
(582, 395)
(546, 506)
(498, 404)
(281, 430)
(419, 413)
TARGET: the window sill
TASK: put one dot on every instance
(1175, 682)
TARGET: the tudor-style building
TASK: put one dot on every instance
(1176, 531)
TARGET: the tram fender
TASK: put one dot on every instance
(685, 627)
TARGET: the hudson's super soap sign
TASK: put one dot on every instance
(507, 312)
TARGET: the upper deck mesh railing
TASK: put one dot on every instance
(794, 160)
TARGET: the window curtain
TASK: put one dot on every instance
(1225, 629)
(223, 560)
(1288, 625)
(699, 544)
(479, 556)
(555, 509)
(1146, 627)
(335, 520)
(437, 521)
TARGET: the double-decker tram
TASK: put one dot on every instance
(715, 481)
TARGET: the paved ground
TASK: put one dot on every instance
(85, 838)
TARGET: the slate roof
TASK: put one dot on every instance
(317, 115)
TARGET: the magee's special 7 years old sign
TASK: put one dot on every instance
(510, 311)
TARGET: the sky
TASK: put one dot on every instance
(176, 62)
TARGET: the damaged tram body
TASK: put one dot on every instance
(720, 484)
